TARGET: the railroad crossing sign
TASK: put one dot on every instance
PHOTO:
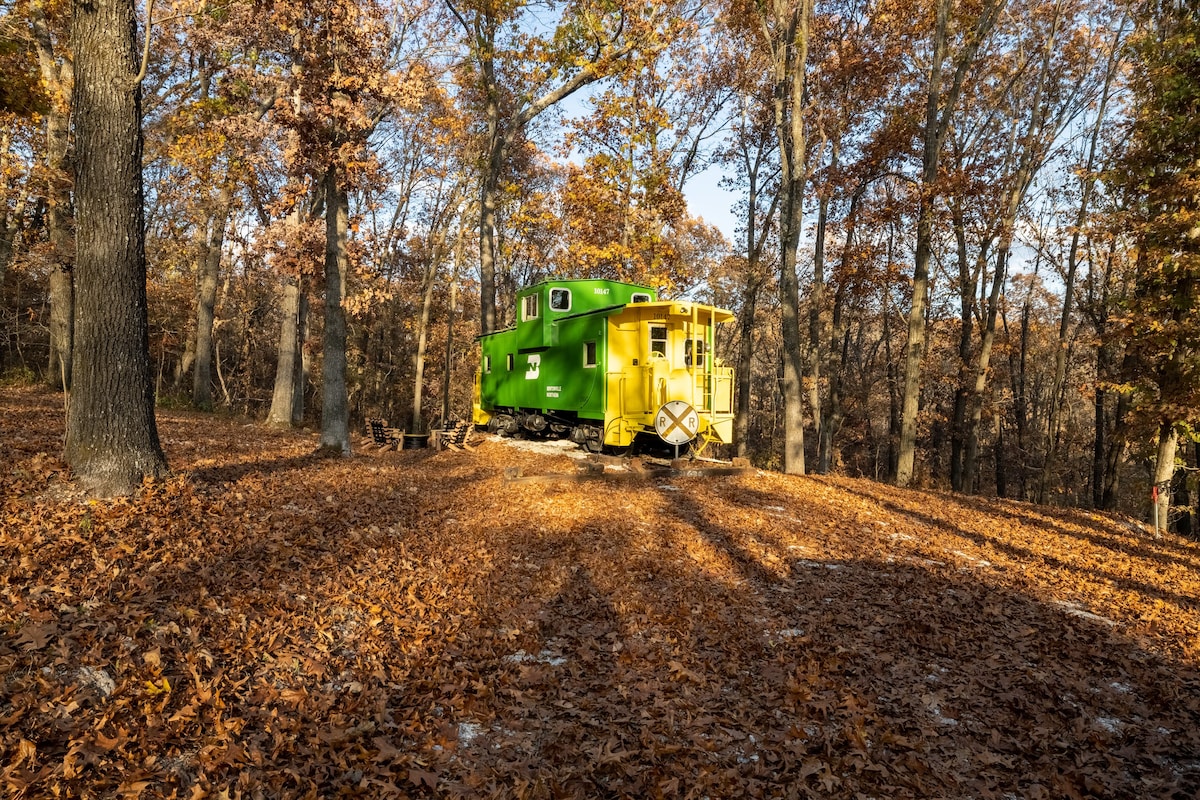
(677, 423)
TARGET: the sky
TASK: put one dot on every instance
(711, 202)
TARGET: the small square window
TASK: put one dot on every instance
(529, 307)
(640, 297)
(658, 339)
(560, 299)
(589, 354)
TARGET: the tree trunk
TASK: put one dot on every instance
(753, 158)
(208, 267)
(982, 365)
(1114, 456)
(11, 224)
(1164, 470)
(1001, 467)
(790, 53)
(112, 440)
(1181, 499)
(1021, 404)
(447, 371)
(58, 77)
(815, 309)
(335, 402)
(1195, 531)
(62, 323)
(287, 363)
(745, 365)
(418, 424)
(1088, 183)
(939, 110)
(1100, 440)
(966, 331)
(915, 348)
(12, 221)
(303, 364)
(839, 343)
(184, 364)
(487, 244)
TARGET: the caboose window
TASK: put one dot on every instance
(560, 299)
(640, 297)
(658, 339)
(487, 363)
(699, 350)
(529, 307)
(589, 354)
(508, 362)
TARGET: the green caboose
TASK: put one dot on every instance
(605, 362)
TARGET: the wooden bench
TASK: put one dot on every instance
(384, 437)
(457, 437)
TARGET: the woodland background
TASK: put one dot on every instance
(966, 255)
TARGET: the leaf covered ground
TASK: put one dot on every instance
(270, 624)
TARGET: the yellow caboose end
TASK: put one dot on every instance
(662, 375)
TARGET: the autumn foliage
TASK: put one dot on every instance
(266, 624)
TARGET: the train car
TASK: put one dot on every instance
(607, 364)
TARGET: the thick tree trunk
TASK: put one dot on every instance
(112, 440)
(287, 363)
(335, 402)
(208, 266)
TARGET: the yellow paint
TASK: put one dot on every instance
(637, 390)
(478, 415)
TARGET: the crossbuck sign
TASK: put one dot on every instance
(677, 423)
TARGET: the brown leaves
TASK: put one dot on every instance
(432, 631)
(35, 637)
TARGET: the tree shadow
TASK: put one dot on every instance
(437, 632)
(1027, 555)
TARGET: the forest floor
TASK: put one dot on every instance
(407, 624)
